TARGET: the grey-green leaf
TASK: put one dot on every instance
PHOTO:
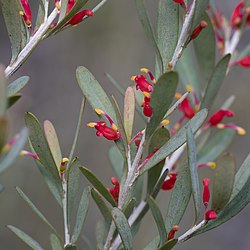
(55, 242)
(169, 245)
(179, 199)
(3, 92)
(93, 91)
(176, 141)
(25, 238)
(161, 99)
(98, 185)
(17, 85)
(81, 214)
(223, 181)
(215, 82)
(192, 163)
(123, 228)
(156, 212)
(116, 160)
(200, 7)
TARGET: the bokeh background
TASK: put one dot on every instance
(112, 41)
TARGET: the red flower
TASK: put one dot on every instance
(172, 232)
(186, 108)
(27, 14)
(147, 109)
(210, 215)
(181, 3)
(217, 117)
(114, 191)
(142, 83)
(237, 15)
(203, 24)
(24, 153)
(70, 5)
(77, 18)
(244, 62)
(206, 192)
(169, 184)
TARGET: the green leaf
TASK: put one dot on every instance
(179, 199)
(129, 207)
(15, 26)
(216, 146)
(55, 242)
(98, 185)
(169, 245)
(3, 92)
(72, 185)
(70, 247)
(156, 212)
(176, 141)
(41, 147)
(93, 91)
(123, 228)
(223, 181)
(17, 85)
(3, 131)
(25, 237)
(159, 138)
(104, 209)
(7, 159)
(145, 21)
(215, 82)
(200, 7)
(129, 111)
(40, 14)
(167, 30)
(35, 209)
(192, 163)
(228, 103)
(161, 99)
(81, 214)
(13, 99)
(117, 161)
(205, 49)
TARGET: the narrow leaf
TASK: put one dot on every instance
(25, 238)
(200, 7)
(117, 161)
(17, 85)
(156, 212)
(215, 82)
(179, 199)
(98, 185)
(129, 111)
(81, 214)
(169, 245)
(162, 97)
(3, 131)
(223, 181)
(3, 92)
(123, 228)
(192, 163)
(40, 14)
(55, 242)
(129, 207)
(176, 141)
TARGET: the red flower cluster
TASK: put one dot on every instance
(114, 191)
(27, 14)
(239, 13)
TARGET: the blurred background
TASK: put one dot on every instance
(112, 41)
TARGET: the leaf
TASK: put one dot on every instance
(70, 247)
(167, 30)
(156, 212)
(176, 141)
(17, 85)
(3, 131)
(72, 186)
(192, 163)
(223, 181)
(41, 147)
(104, 209)
(123, 228)
(13, 99)
(129, 111)
(215, 82)
(63, 9)
(205, 49)
(129, 207)
(145, 21)
(159, 138)
(35, 209)
(15, 26)
(200, 7)
(169, 245)
(216, 146)
(161, 99)
(81, 214)
(179, 199)
(228, 103)
(98, 185)
(55, 242)
(25, 237)
(3, 92)
(117, 161)
(7, 159)
(40, 14)
(93, 91)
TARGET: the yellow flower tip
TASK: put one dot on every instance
(133, 78)
(22, 153)
(65, 159)
(178, 95)
(21, 13)
(211, 164)
(146, 94)
(165, 122)
(58, 5)
(91, 124)
(114, 127)
(196, 107)
(144, 70)
(154, 81)
(241, 131)
(5, 149)
(220, 125)
(189, 88)
(99, 111)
